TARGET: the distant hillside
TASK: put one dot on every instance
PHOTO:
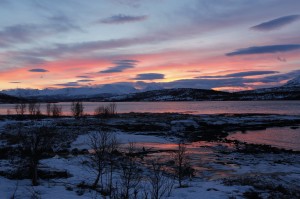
(289, 91)
(71, 93)
(9, 99)
(177, 94)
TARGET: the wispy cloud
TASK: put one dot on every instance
(69, 84)
(193, 71)
(83, 76)
(149, 76)
(38, 70)
(61, 49)
(62, 23)
(276, 23)
(15, 82)
(85, 80)
(24, 33)
(265, 49)
(120, 65)
(17, 34)
(204, 83)
(121, 18)
(280, 77)
(241, 74)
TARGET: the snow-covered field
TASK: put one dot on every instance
(222, 169)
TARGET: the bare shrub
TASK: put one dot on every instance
(31, 108)
(160, 184)
(38, 110)
(56, 110)
(130, 176)
(99, 111)
(33, 145)
(182, 168)
(112, 148)
(106, 111)
(77, 109)
(112, 108)
(103, 144)
(34, 109)
(48, 109)
(20, 108)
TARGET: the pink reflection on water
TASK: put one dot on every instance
(203, 156)
(199, 107)
(283, 137)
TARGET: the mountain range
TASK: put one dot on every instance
(120, 92)
(4, 98)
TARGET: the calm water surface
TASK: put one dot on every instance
(284, 137)
(203, 107)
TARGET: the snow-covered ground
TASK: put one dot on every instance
(222, 171)
(66, 188)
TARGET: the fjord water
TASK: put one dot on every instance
(199, 107)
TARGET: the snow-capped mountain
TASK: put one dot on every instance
(289, 91)
(126, 92)
(293, 83)
(152, 87)
(71, 93)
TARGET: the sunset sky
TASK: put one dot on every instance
(219, 44)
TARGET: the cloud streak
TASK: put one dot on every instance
(61, 49)
(83, 76)
(85, 80)
(149, 76)
(276, 23)
(38, 70)
(241, 74)
(24, 33)
(69, 84)
(234, 82)
(120, 66)
(121, 19)
(17, 34)
(264, 49)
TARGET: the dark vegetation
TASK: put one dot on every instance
(107, 111)
(77, 109)
(180, 94)
(190, 94)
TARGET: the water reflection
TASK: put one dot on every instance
(201, 107)
(284, 137)
(203, 156)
